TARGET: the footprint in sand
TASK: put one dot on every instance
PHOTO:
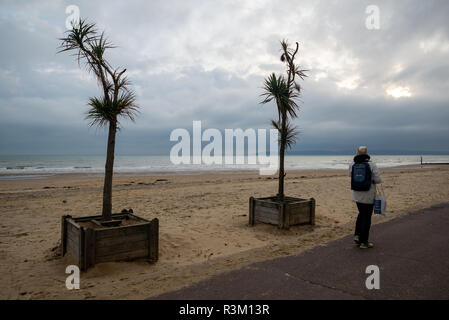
(18, 235)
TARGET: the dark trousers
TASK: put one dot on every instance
(363, 223)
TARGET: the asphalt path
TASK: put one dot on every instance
(410, 259)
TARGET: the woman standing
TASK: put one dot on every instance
(364, 177)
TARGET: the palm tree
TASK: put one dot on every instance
(285, 91)
(117, 100)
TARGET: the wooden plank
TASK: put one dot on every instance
(267, 204)
(290, 200)
(143, 253)
(303, 218)
(86, 218)
(267, 215)
(269, 220)
(266, 211)
(312, 212)
(90, 251)
(300, 211)
(72, 227)
(82, 257)
(118, 240)
(287, 222)
(72, 234)
(153, 240)
(266, 219)
(121, 231)
(122, 247)
(299, 205)
(64, 235)
(251, 211)
(89, 218)
(137, 218)
(260, 209)
(114, 215)
(120, 215)
(72, 222)
(73, 249)
(73, 239)
(282, 217)
(74, 243)
(269, 199)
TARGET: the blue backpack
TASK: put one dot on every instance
(361, 176)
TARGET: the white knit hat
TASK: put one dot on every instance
(362, 150)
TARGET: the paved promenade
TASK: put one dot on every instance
(412, 253)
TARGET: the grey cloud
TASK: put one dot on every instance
(194, 60)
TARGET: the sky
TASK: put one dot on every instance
(383, 85)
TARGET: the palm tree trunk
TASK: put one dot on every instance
(281, 158)
(281, 172)
(109, 170)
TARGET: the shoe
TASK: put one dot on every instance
(366, 245)
(357, 240)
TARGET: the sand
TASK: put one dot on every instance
(203, 225)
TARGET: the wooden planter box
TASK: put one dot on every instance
(90, 244)
(291, 212)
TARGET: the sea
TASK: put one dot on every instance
(52, 164)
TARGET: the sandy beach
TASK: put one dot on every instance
(203, 225)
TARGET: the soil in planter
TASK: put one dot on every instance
(275, 199)
(125, 222)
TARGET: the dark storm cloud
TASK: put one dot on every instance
(206, 60)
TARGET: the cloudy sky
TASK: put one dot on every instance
(387, 88)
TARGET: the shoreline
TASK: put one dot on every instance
(38, 175)
(20, 167)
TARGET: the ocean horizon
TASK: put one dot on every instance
(143, 163)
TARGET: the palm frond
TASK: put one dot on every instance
(276, 125)
(276, 88)
(99, 45)
(90, 46)
(288, 134)
(123, 84)
(125, 106)
(78, 37)
(100, 112)
(291, 133)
